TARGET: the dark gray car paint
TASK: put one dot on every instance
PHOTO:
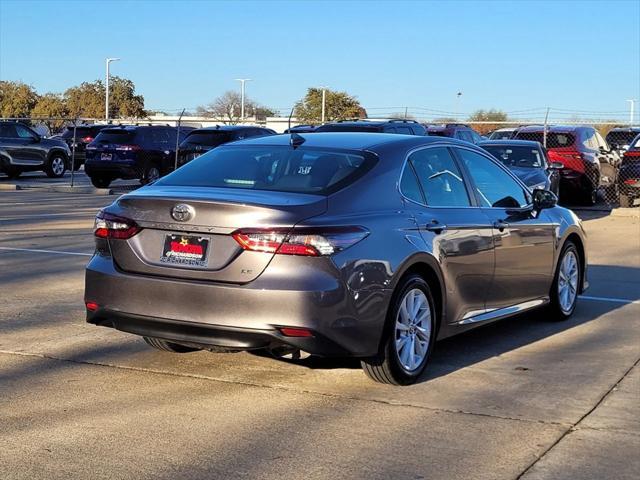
(344, 297)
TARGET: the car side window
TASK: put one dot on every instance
(463, 135)
(160, 137)
(494, 186)
(23, 132)
(440, 178)
(8, 131)
(409, 185)
(589, 140)
(404, 130)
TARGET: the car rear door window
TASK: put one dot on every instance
(440, 178)
(494, 186)
(8, 131)
(404, 130)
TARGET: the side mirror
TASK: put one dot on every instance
(556, 166)
(544, 199)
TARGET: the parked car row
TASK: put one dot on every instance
(577, 162)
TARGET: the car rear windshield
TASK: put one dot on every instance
(437, 133)
(210, 138)
(554, 139)
(511, 156)
(277, 168)
(115, 136)
(619, 138)
(347, 128)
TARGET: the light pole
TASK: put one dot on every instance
(324, 103)
(632, 103)
(458, 96)
(242, 82)
(106, 100)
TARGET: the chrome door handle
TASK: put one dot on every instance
(435, 227)
(500, 225)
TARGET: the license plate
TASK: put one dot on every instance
(105, 157)
(185, 250)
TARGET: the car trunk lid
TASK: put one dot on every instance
(201, 246)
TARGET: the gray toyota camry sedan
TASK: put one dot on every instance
(334, 244)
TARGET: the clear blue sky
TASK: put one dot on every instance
(512, 55)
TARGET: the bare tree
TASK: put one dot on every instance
(227, 108)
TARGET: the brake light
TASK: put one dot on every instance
(128, 148)
(87, 139)
(635, 153)
(632, 181)
(91, 306)
(295, 332)
(309, 242)
(112, 226)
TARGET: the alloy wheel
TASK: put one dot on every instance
(413, 329)
(568, 282)
(57, 166)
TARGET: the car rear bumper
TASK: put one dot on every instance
(111, 168)
(237, 316)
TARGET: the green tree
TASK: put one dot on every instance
(338, 106)
(17, 99)
(86, 100)
(50, 105)
(123, 101)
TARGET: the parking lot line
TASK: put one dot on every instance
(610, 299)
(36, 250)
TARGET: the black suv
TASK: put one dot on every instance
(404, 127)
(455, 130)
(23, 150)
(202, 140)
(84, 134)
(132, 151)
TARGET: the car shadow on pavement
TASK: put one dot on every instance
(495, 339)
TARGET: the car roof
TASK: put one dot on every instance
(553, 128)
(347, 140)
(515, 143)
(228, 128)
(625, 129)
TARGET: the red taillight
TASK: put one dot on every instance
(91, 306)
(112, 226)
(295, 332)
(635, 153)
(309, 242)
(128, 148)
(632, 181)
(87, 139)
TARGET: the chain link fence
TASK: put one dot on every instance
(593, 160)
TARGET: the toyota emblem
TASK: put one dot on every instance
(182, 212)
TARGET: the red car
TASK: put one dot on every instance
(630, 174)
(589, 162)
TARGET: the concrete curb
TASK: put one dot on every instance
(57, 188)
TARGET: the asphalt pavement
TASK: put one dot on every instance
(523, 398)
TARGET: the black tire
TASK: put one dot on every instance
(166, 346)
(386, 367)
(556, 309)
(100, 182)
(152, 172)
(56, 166)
